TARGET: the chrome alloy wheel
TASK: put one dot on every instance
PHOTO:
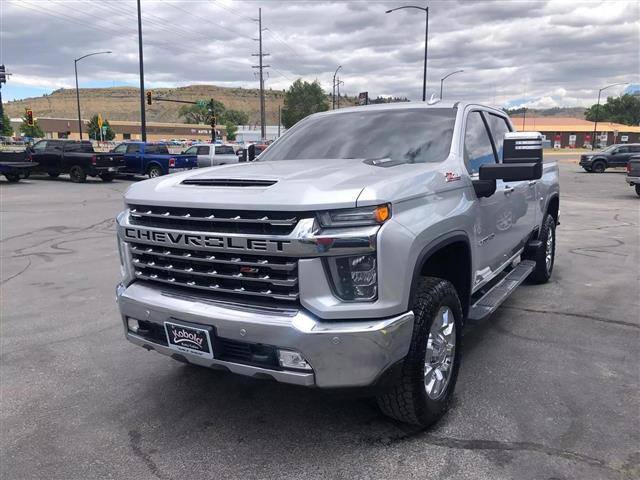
(548, 257)
(440, 353)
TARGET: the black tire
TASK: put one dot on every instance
(53, 174)
(407, 401)
(107, 177)
(587, 169)
(78, 174)
(12, 177)
(543, 269)
(598, 166)
(638, 189)
(154, 171)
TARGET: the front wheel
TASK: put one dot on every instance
(78, 174)
(545, 255)
(12, 177)
(598, 167)
(423, 392)
(154, 171)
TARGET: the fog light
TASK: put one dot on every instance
(133, 324)
(289, 359)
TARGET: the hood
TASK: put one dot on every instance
(294, 185)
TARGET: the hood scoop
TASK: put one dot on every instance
(229, 182)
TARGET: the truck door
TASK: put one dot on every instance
(520, 213)
(133, 158)
(204, 159)
(38, 155)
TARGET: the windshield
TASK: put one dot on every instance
(408, 135)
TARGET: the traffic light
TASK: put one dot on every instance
(3, 75)
(213, 121)
(29, 115)
(148, 98)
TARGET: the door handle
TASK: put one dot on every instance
(508, 190)
(532, 182)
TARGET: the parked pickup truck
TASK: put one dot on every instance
(153, 159)
(633, 173)
(612, 156)
(76, 158)
(211, 155)
(351, 253)
(15, 165)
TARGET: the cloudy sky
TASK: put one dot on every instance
(538, 53)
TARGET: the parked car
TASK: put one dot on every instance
(613, 156)
(153, 159)
(633, 172)
(210, 155)
(77, 158)
(344, 263)
(15, 165)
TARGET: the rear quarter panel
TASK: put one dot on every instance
(547, 187)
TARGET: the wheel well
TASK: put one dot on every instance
(553, 208)
(599, 159)
(153, 164)
(452, 262)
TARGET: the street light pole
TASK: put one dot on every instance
(333, 95)
(595, 123)
(75, 67)
(338, 85)
(426, 44)
(445, 77)
(143, 115)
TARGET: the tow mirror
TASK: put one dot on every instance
(521, 159)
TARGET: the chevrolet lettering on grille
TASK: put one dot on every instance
(214, 242)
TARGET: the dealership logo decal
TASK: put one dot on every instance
(182, 337)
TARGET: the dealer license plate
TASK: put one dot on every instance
(195, 341)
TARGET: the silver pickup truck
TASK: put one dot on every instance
(350, 254)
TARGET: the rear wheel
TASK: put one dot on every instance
(638, 189)
(12, 177)
(423, 392)
(154, 171)
(78, 174)
(107, 177)
(598, 166)
(53, 174)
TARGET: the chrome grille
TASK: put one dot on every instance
(263, 276)
(210, 220)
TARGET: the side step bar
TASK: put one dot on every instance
(490, 301)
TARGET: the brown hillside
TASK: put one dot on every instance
(123, 103)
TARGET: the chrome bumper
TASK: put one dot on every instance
(341, 353)
(633, 180)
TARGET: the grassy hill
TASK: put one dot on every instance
(123, 103)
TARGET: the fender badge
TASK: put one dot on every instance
(451, 177)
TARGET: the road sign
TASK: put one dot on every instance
(201, 104)
(100, 122)
(104, 130)
(363, 98)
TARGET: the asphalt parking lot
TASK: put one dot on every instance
(548, 388)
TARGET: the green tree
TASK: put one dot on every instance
(303, 99)
(7, 129)
(236, 117)
(200, 113)
(93, 129)
(624, 109)
(31, 130)
(232, 129)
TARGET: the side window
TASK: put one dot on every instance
(622, 150)
(40, 146)
(151, 149)
(477, 145)
(499, 127)
(161, 149)
(54, 146)
(190, 151)
(203, 150)
(133, 148)
(122, 148)
(225, 150)
(634, 148)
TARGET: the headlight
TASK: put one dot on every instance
(353, 217)
(354, 278)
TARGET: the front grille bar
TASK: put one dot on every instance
(167, 214)
(288, 282)
(194, 255)
(214, 287)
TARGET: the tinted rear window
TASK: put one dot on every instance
(225, 150)
(78, 147)
(409, 135)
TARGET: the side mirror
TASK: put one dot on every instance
(251, 153)
(484, 188)
(521, 159)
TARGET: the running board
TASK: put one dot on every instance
(491, 300)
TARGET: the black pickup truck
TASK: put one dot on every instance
(633, 172)
(616, 155)
(76, 158)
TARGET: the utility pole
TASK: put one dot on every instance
(261, 67)
(213, 121)
(338, 86)
(279, 118)
(333, 94)
(143, 117)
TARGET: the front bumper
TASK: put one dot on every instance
(633, 180)
(350, 353)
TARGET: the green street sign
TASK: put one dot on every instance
(201, 103)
